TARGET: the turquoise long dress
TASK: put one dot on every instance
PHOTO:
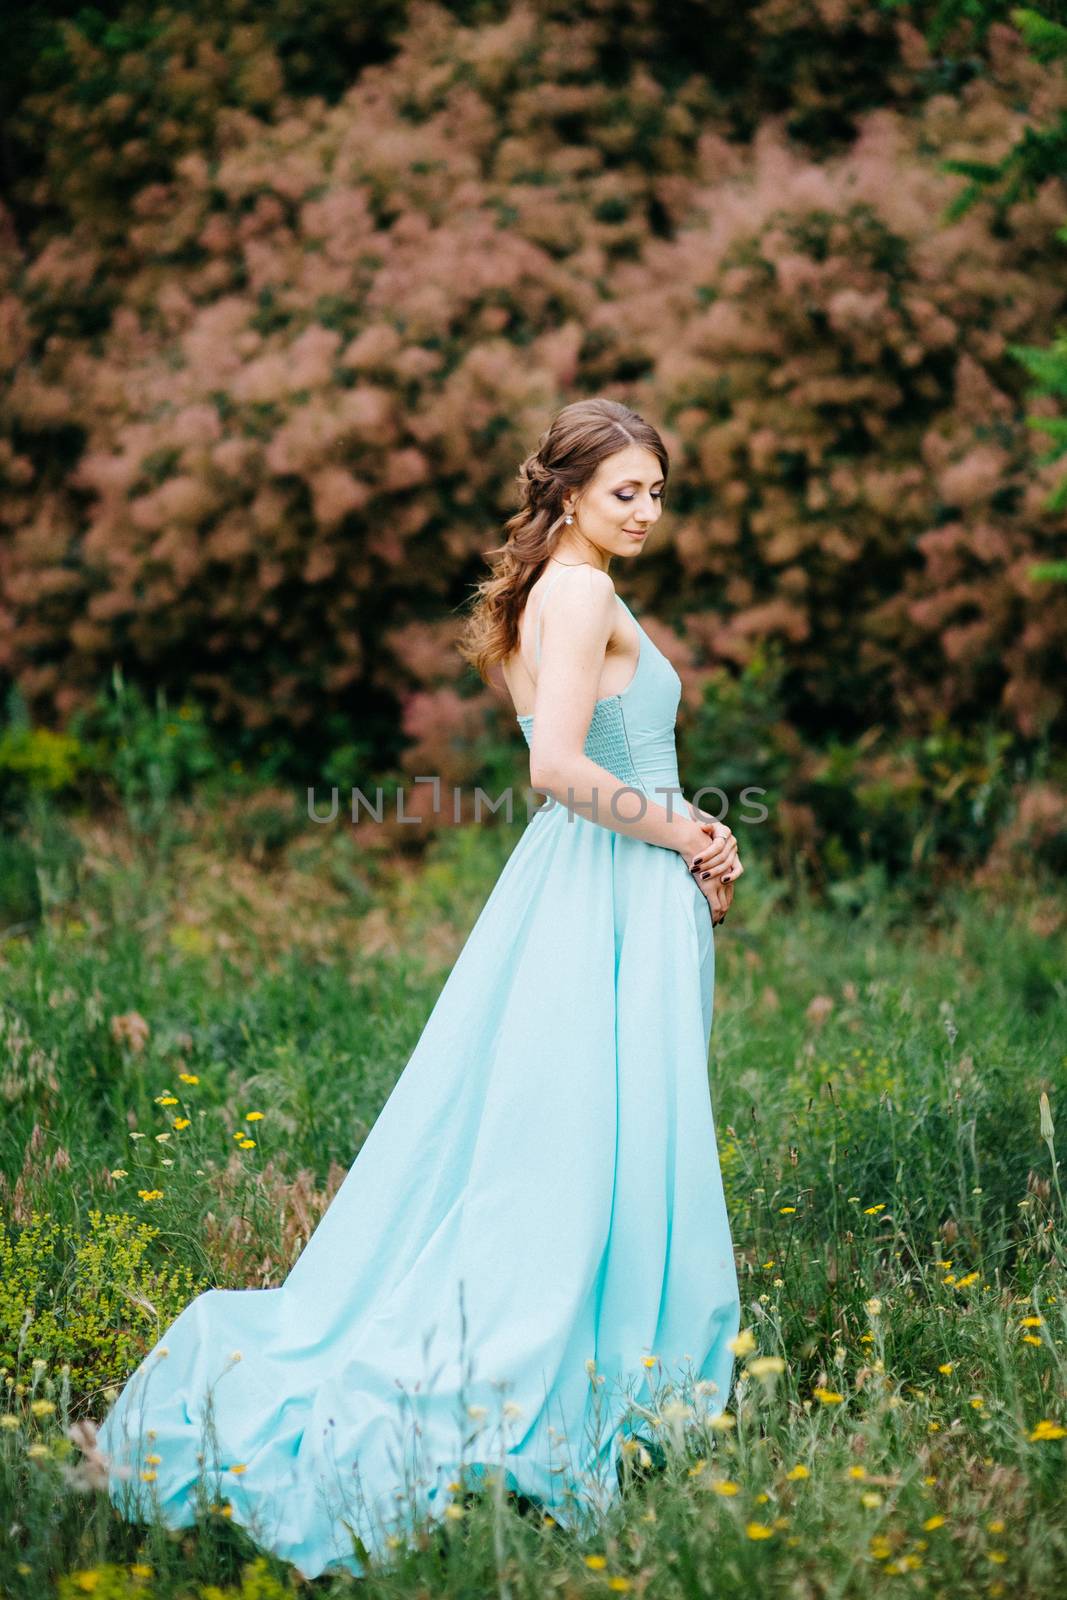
(537, 1210)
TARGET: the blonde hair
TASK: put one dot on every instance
(579, 438)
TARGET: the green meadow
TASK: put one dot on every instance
(198, 1034)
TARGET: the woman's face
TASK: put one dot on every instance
(620, 504)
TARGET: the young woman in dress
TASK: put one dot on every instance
(534, 1234)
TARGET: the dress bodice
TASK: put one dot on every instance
(632, 733)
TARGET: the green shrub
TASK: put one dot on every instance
(93, 1298)
(148, 754)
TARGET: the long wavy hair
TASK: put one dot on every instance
(579, 438)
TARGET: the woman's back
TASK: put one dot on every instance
(520, 668)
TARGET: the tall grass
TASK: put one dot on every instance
(190, 1068)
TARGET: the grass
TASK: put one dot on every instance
(192, 1051)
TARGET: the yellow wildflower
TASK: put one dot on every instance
(1047, 1430)
(759, 1530)
(763, 1366)
(797, 1472)
(744, 1344)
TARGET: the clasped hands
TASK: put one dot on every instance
(717, 867)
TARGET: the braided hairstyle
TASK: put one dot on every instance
(579, 438)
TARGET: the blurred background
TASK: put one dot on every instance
(287, 292)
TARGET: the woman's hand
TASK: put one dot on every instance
(718, 867)
(720, 857)
(718, 895)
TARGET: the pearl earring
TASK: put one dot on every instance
(568, 520)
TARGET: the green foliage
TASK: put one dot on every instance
(39, 855)
(109, 1581)
(20, 895)
(40, 759)
(150, 755)
(738, 737)
(1038, 155)
(90, 1297)
(894, 1206)
(1049, 368)
(34, 761)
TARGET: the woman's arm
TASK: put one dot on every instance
(576, 630)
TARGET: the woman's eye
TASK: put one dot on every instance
(629, 497)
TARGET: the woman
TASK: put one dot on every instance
(534, 1231)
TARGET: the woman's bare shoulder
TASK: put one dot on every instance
(586, 580)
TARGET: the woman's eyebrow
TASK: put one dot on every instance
(636, 481)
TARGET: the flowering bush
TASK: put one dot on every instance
(264, 475)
